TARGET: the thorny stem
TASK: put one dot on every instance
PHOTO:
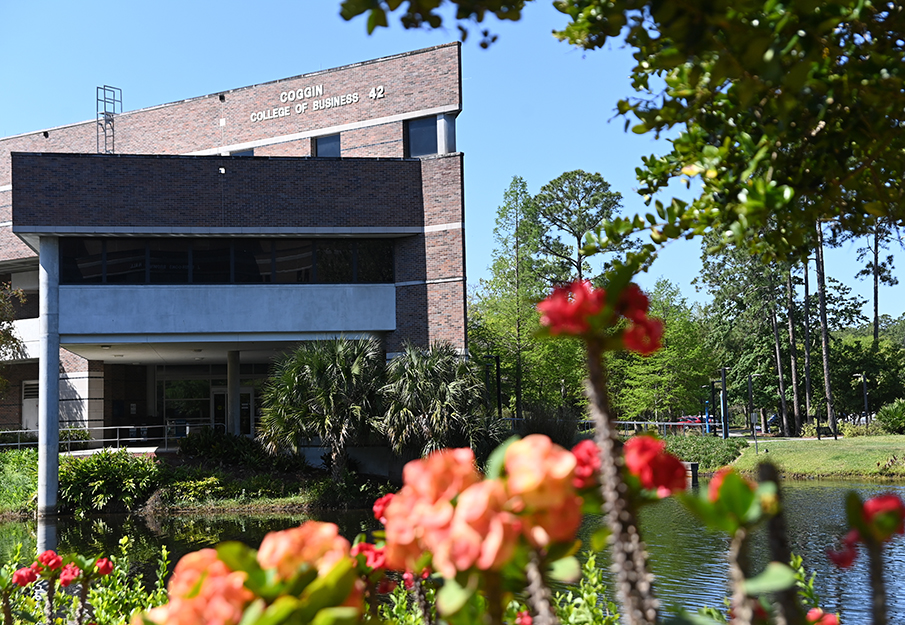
(83, 601)
(539, 594)
(742, 605)
(634, 585)
(7, 611)
(48, 601)
(421, 601)
(877, 585)
(789, 612)
(494, 593)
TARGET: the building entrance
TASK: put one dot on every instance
(247, 411)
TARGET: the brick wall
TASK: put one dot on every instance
(11, 400)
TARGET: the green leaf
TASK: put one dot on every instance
(777, 576)
(566, 570)
(337, 616)
(599, 538)
(452, 597)
(495, 462)
(278, 612)
(328, 590)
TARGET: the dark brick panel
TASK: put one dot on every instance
(186, 191)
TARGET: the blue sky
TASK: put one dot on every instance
(533, 107)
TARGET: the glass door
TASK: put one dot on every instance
(247, 412)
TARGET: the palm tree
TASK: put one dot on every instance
(433, 399)
(325, 389)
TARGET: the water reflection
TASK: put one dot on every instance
(690, 563)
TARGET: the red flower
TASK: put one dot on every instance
(69, 574)
(845, 556)
(51, 560)
(633, 303)
(644, 336)
(645, 458)
(816, 616)
(375, 558)
(885, 514)
(568, 308)
(104, 567)
(523, 618)
(587, 458)
(386, 586)
(380, 507)
(24, 576)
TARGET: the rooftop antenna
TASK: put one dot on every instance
(109, 103)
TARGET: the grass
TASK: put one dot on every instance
(873, 457)
(18, 479)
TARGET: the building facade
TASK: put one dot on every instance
(162, 279)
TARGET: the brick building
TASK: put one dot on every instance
(163, 278)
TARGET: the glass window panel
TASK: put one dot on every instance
(188, 389)
(422, 136)
(169, 261)
(375, 261)
(294, 260)
(327, 146)
(334, 261)
(252, 260)
(81, 260)
(126, 261)
(192, 410)
(211, 261)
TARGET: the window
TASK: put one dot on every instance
(253, 260)
(82, 260)
(421, 137)
(336, 261)
(126, 261)
(169, 261)
(294, 260)
(326, 146)
(211, 261)
(375, 261)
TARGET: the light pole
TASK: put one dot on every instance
(864, 388)
(751, 409)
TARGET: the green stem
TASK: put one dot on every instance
(493, 590)
(877, 585)
(634, 583)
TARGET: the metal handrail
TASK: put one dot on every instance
(141, 434)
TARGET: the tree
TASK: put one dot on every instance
(433, 399)
(325, 389)
(564, 211)
(878, 269)
(770, 102)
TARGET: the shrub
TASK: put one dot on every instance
(74, 438)
(229, 449)
(710, 452)
(107, 481)
(892, 417)
(18, 478)
(850, 430)
(559, 424)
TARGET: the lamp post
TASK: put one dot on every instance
(751, 409)
(864, 388)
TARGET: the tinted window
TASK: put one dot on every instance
(81, 261)
(421, 138)
(211, 261)
(335, 261)
(126, 261)
(375, 261)
(169, 261)
(294, 260)
(252, 260)
(327, 146)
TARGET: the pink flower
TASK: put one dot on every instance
(375, 557)
(24, 576)
(69, 574)
(313, 543)
(587, 464)
(885, 516)
(51, 560)
(816, 616)
(539, 472)
(646, 458)
(104, 566)
(567, 310)
(523, 618)
(633, 303)
(380, 507)
(644, 336)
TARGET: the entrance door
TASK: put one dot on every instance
(219, 409)
(30, 405)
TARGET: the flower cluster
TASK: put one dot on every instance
(882, 516)
(466, 522)
(816, 616)
(574, 308)
(204, 589)
(52, 566)
(646, 458)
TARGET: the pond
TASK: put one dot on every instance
(690, 563)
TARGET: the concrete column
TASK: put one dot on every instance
(232, 392)
(446, 133)
(49, 377)
(47, 533)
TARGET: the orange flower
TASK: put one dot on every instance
(553, 525)
(203, 591)
(313, 543)
(539, 472)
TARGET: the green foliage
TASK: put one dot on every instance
(588, 603)
(74, 438)
(107, 481)
(18, 478)
(559, 424)
(214, 445)
(116, 597)
(850, 430)
(327, 390)
(892, 417)
(710, 452)
(400, 607)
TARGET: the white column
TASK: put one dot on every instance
(446, 133)
(232, 392)
(49, 377)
